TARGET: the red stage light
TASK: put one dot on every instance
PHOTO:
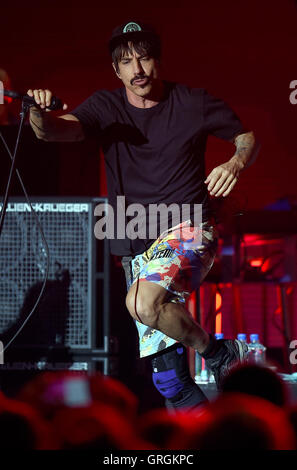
(218, 326)
(256, 263)
(7, 100)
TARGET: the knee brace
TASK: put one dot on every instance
(171, 377)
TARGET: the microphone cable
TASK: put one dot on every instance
(37, 222)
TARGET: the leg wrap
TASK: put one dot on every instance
(171, 377)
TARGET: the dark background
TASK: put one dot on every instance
(241, 51)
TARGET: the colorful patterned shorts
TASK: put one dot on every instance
(178, 260)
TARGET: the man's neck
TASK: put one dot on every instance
(148, 101)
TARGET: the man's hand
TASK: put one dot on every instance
(49, 127)
(43, 99)
(223, 178)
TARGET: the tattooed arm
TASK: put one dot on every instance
(246, 148)
(223, 178)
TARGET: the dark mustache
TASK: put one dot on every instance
(138, 77)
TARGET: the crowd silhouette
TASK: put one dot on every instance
(61, 410)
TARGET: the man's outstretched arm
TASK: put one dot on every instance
(66, 128)
(223, 178)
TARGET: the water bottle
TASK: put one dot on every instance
(211, 376)
(219, 335)
(198, 367)
(256, 352)
(201, 372)
(242, 337)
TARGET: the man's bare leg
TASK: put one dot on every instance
(148, 302)
(176, 322)
(172, 319)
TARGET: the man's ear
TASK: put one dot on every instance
(115, 69)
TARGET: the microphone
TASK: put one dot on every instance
(56, 103)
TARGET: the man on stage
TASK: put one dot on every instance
(153, 134)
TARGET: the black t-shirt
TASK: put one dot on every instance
(156, 155)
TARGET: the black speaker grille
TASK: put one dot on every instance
(64, 315)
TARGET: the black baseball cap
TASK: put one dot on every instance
(132, 31)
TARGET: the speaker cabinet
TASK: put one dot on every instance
(73, 313)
